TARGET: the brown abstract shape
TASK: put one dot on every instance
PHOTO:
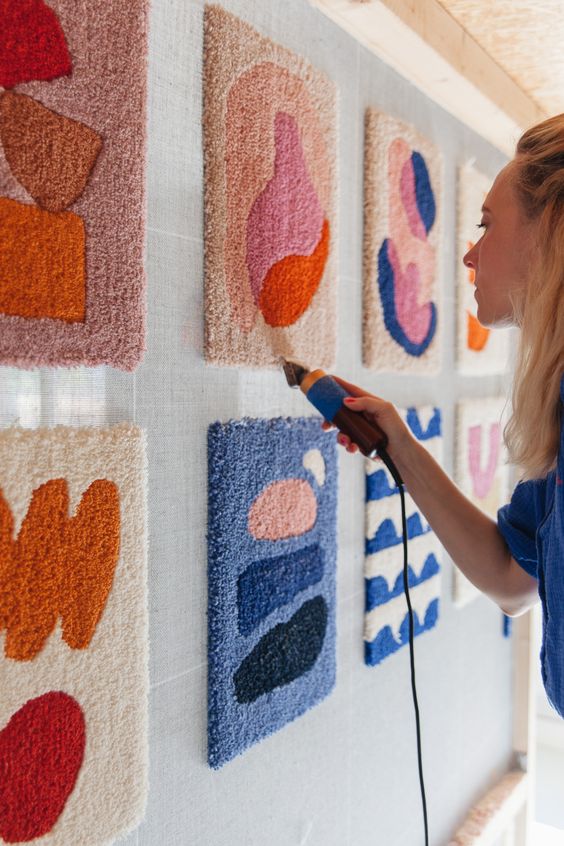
(50, 155)
(59, 566)
(42, 263)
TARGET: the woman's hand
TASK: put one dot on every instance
(374, 408)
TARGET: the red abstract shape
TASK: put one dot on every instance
(32, 43)
(41, 752)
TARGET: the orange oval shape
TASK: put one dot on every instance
(477, 335)
(291, 283)
(283, 510)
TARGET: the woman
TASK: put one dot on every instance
(519, 278)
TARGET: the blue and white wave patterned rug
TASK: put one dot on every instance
(386, 623)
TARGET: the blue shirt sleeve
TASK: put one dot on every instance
(518, 522)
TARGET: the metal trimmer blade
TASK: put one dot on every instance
(294, 372)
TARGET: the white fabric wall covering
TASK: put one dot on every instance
(345, 774)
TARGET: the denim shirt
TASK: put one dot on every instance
(532, 525)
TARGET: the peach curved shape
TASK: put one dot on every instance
(283, 509)
(253, 102)
(286, 218)
(482, 478)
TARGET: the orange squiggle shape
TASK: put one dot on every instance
(58, 566)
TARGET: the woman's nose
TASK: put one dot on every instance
(469, 260)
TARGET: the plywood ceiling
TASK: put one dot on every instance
(524, 37)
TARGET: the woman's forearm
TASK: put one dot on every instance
(470, 536)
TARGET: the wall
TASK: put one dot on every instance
(345, 774)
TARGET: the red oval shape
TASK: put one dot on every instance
(41, 752)
(32, 43)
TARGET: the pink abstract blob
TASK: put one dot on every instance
(402, 210)
(414, 319)
(407, 192)
(283, 510)
(482, 479)
(253, 103)
(286, 219)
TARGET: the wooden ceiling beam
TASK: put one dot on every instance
(426, 45)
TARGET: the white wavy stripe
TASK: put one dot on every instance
(389, 562)
(393, 613)
(389, 509)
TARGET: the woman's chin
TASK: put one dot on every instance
(492, 321)
(482, 316)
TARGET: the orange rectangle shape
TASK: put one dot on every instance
(42, 263)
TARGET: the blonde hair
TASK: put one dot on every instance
(532, 435)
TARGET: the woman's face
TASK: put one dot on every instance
(502, 256)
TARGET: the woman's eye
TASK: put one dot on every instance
(481, 225)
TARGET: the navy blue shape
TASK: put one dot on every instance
(507, 626)
(274, 582)
(433, 429)
(424, 196)
(284, 654)
(384, 643)
(387, 536)
(387, 295)
(378, 593)
(378, 486)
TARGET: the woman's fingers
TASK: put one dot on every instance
(364, 403)
(345, 441)
(354, 390)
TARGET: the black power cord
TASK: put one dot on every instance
(399, 482)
